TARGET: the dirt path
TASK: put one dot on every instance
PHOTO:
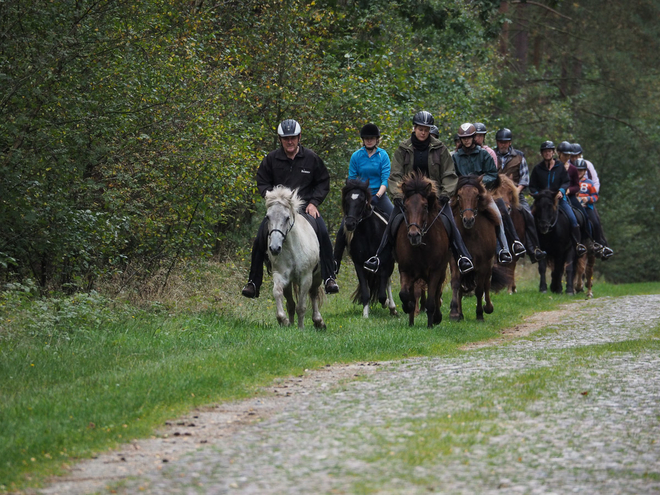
(322, 431)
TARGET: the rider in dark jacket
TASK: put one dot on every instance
(295, 167)
(551, 174)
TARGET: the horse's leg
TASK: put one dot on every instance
(290, 302)
(278, 295)
(557, 274)
(543, 286)
(455, 307)
(303, 290)
(433, 301)
(570, 273)
(488, 307)
(315, 294)
(363, 285)
(580, 266)
(589, 274)
(390, 299)
(479, 294)
(512, 287)
(407, 293)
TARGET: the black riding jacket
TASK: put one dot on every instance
(306, 172)
(541, 178)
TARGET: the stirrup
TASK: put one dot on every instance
(247, 290)
(504, 257)
(467, 267)
(518, 248)
(372, 264)
(539, 254)
(580, 250)
(607, 252)
(597, 247)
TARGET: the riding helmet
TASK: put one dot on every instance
(481, 128)
(466, 130)
(288, 127)
(581, 164)
(547, 145)
(370, 130)
(576, 149)
(435, 132)
(504, 134)
(423, 118)
(564, 147)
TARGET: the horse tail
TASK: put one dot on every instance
(373, 281)
(500, 278)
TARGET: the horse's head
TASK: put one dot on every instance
(420, 196)
(281, 206)
(355, 202)
(545, 210)
(504, 188)
(469, 197)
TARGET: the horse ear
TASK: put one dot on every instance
(428, 189)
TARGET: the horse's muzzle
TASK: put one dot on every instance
(275, 250)
(350, 224)
(415, 238)
(468, 222)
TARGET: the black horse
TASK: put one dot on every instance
(361, 231)
(554, 230)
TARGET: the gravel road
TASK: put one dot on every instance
(591, 426)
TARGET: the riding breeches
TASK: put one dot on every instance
(498, 208)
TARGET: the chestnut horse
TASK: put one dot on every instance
(477, 223)
(506, 190)
(422, 248)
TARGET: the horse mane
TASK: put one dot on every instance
(418, 183)
(503, 185)
(286, 197)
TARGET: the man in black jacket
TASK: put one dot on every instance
(295, 167)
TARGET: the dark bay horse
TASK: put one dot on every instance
(422, 247)
(554, 230)
(584, 271)
(363, 228)
(506, 189)
(477, 223)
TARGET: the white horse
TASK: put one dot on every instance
(293, 250)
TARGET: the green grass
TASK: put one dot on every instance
(80, 375)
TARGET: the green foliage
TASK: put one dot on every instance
(590, 75)
(130, 133)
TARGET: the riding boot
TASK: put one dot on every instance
(531, 237)
(580, 249)
(384, 252)
(510, 229)
(503, 254)
(458, 247)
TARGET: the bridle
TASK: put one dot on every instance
(424, 229)
(284, 234)
(365, 207)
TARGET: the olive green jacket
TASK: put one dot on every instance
(441, 167)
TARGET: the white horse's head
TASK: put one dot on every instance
(282, 204)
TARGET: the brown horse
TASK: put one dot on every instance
(477, 223)
(506, 189)
(422, 248)
(584, 271)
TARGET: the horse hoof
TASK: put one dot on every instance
(319, 325)
(456, 317)
(489, 310)
(394, 312)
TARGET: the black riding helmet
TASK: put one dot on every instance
(547, 145)
(481, 128)
(564, 147)
(435, 132)
(576, 149)
(370, 130)
(581, 164)
(423, 118)
(504, 134)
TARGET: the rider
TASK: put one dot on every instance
(372, 163)
(473, 159)
(511, 162)
(429, 156)
(592, 175)
(587, 195)
(295, 167)
(480, 137)
(551, 174)
(568, 155)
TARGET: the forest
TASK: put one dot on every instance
(130, 132)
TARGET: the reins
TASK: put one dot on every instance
(425, 228)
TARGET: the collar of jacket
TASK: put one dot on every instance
(433, 145)
(461, 150)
